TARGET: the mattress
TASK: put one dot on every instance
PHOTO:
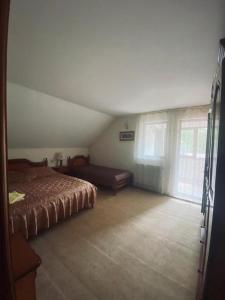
(49, 198)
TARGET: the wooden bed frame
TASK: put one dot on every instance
(20, 164)
(114, 184)
(78, 161)
(53, 208)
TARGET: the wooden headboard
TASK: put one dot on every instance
(78, 161)
(20, 164)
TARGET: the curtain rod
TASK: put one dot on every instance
(170, 109)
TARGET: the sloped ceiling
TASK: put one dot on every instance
(37, 120)
(117, 56)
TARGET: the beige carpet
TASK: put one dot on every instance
(133, 246)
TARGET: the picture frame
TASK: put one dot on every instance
(126, 135)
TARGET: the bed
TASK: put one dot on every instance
(49, 196)
(79, 166)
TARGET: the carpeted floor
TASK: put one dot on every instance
(133, 246)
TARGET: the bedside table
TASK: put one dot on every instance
(62, 170)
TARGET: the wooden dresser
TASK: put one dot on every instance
(25, 263)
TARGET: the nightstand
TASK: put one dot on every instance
(62, 170)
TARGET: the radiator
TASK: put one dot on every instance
(148, 177)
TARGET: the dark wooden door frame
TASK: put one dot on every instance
(6, 277)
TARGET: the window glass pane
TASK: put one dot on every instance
(187, 142)
(154, 145)
(149, 141)
(191, 161)
(201, 143)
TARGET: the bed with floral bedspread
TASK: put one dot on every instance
(49, 198)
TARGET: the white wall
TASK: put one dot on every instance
(38, 154)
(37, 120)
(109, 151)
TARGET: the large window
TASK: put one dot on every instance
(191, 158)
(170, 149)
(154, 140)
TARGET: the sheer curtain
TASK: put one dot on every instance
(188, 168)
(150, 151)
(151, 138)
(160, 164)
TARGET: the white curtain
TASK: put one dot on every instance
(150, 151)
(150, 141)
(157, 148)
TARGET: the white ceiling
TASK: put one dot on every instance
(117, 56)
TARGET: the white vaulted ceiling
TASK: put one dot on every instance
(38, 120)
(117, 56)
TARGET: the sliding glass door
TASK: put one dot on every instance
(190, 159)
(175, 143)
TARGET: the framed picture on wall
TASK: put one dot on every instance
(126, 135)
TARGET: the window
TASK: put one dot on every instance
(186, 143)
(191, 158)
(151, 136)
(201, 142)
(154, 139)
(170, 151)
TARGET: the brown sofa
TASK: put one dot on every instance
(79, 166)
